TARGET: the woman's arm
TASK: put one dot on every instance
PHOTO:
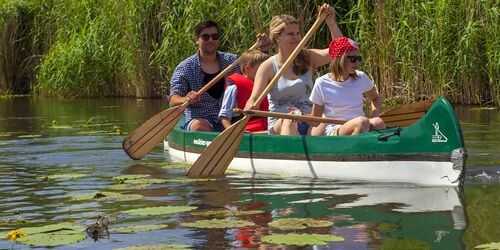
(376, 101)
(320, 57)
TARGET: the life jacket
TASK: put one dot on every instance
(244, 90)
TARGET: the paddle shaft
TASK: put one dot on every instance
(402, 115)
(306, 118)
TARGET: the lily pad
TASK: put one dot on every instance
(387, 227)
(298, 223)
(130, 177)
(107, 196)
(64, 176)
(218, 223)
(129, 186)
(489, 246)
(136, 228)
(188, 180)
(157, 247)
(390, 244)
(300, 239)
(233, 172)
(143, 181)
(160, 210)
(177, 165)
(227, 212)
(52, 235)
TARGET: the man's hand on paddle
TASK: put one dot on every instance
(192, 97)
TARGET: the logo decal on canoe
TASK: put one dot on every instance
(438, 136)
(201, 142)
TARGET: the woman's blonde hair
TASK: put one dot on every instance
(302, 62)
(337, 68)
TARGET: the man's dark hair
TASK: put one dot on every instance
(203, 25)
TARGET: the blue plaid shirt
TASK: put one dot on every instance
(188, 76)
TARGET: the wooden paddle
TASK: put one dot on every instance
(307, 118)
(144, 138)
(406, 114)
(215, 159)
(401, 116)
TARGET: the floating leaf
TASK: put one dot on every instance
(160, 210)
(188, 180)
(390, 244)
(387, 227)
(226, 212)
(63, 176)
(233, 172)
(299, 223)
(176, 165)
(489, 246)
(51, 228)
(218, 223)
(157, 247)
(129, 186)
(52, 235)
(130, 177)
(107, 196)
(137, 228)
(300, 239)
(144, 181)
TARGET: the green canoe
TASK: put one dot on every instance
(429, 152)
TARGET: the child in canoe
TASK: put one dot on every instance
(239, 89)
(339, 94)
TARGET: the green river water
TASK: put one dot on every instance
(52, 151)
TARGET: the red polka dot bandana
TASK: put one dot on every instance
(341, 45)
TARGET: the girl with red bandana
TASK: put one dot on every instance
(339, 94)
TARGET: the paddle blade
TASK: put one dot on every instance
(144, 138)
(406, 114)
(218, 155)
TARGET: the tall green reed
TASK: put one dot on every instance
(413, 49)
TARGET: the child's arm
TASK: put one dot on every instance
(226, 122)
(228, 103)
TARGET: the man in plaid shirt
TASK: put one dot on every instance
(196, 71)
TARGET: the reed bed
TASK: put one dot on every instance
(412, 49)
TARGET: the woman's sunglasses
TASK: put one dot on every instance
(355, 58)
(214, 37)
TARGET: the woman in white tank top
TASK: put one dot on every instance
(292, 90)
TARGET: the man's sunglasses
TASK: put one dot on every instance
(355, 58)
(214, 37)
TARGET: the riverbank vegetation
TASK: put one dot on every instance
(412, 49)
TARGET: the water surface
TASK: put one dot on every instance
(41, 137)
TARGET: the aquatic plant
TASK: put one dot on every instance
(300, 239)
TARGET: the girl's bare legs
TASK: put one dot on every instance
(318, 130)
(355, 126)
(376, 123)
